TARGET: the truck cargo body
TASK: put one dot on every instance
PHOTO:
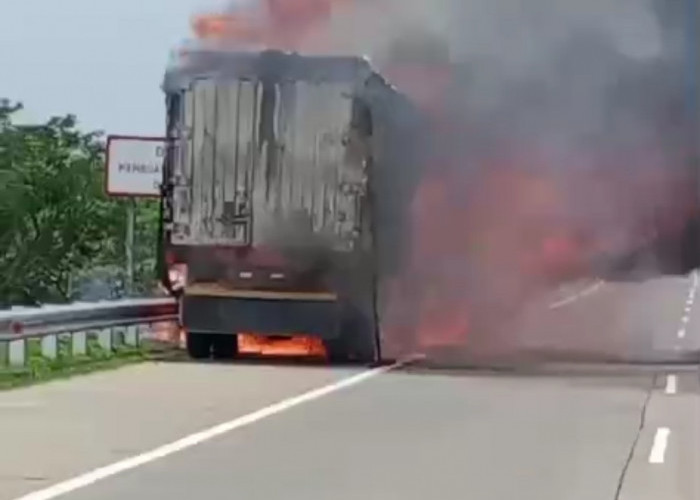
(267, 213)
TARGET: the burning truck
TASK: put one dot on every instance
(307, 197)
(278, 171)
(298, 199)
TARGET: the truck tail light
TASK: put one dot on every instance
(177, 275)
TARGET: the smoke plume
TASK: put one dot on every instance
(558, 132)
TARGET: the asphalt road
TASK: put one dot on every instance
(560, 432)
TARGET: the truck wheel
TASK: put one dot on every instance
(225, 346)
(198, 345)
(337, 351)
(356, 341)
(364, 347)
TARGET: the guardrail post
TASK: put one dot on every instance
(17, 352)
(104, 338)
(118, 333)
(79, 343)
(49, 346)
(131, 337)
(145, 332)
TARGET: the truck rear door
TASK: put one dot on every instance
(266, 164)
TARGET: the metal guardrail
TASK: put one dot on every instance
(113, 323)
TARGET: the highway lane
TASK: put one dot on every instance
(54, 431)
(412, 435)
(617, 321)
(546, 432)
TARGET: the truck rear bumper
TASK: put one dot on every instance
(214, 314)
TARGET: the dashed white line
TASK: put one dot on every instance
(658, 449)
(135, 461)
(657, 455)
(671, 384)
(688, 307)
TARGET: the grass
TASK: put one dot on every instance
(41, 369)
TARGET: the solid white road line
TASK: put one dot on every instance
(12, 405)
(115, 468)
(671, 384)
(658, 449)
(573, 298)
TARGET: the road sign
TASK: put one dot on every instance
(134, 165)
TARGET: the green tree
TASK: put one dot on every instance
(54, 217)
(57, 227)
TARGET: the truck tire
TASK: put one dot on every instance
(224, 346)
(199, 345)
(336, 351)
(356, 342)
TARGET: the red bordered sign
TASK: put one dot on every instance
(134, 165)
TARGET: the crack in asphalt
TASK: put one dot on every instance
(635, 441)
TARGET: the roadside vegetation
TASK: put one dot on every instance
(61, 237)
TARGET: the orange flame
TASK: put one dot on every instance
(298, 345)
(480, 246)
(236, 27)
(275, 24)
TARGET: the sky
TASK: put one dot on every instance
(102, 60)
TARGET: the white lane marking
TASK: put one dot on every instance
(573, 298)
(135, 461)
(658, 449)
(671, 384)
(688, 307)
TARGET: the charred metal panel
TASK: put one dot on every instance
(265, 163)
(271, 65)
(307, 190)
(212, 173)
